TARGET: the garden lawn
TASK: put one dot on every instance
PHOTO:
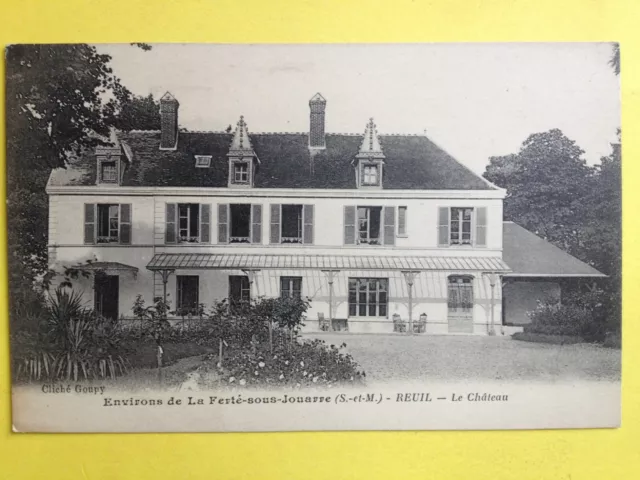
(449, 358)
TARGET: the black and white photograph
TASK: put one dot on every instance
(218, 237)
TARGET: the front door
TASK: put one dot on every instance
(460, 304)
(107, 296)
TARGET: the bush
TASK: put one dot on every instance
(544, 338)
(70, 342)
(563, 319)
(308, 363)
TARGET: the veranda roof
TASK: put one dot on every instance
(107, 267)
(185, 261)
(531, 256)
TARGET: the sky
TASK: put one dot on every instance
(474, 100)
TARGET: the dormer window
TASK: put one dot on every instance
(240, 172)
(370, 175)
(109, 172)
(203, 161)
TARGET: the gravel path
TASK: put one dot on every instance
(460, 358)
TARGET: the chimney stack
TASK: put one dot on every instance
(317, 106)
(168, 122)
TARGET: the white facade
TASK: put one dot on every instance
(148, 237)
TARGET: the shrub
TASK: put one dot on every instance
(301, 364)
(71, 342)
(563, 319)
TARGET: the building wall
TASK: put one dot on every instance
(66, 230)
(521, 297)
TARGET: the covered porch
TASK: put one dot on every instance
(356, 293)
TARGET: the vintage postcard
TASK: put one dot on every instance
(314, 237)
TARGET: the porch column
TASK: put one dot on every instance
(494, 278)
(410, 277)
(164, 274)
(330, 277)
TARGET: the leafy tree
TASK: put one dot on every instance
(546, 183)
(139, 113)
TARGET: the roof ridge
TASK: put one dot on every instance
(347, 134)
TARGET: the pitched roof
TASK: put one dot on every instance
(412, 162)
(531, 256)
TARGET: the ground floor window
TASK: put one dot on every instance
(106, 295)
(239, 289)
(290, 287)
(460, 296)
(368, 297)
(187, 295)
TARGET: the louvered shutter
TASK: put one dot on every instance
(170, 223)
(256, 223)
(349, 225)
(89, 223)
(307, 229)
(205, 223)
(389, 225)
(402, 220)
(223, 223)
(274, 236)
(481, 227)
(443, 226)
(125, 223)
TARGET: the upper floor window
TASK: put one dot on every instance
(462, 226)
(370, 175)
(460, 233)
(290, 287)
(240, 223)
(107, 223)
(241, 172)
(188, 222)
(108, 172)
(369, 225)
(291, 224)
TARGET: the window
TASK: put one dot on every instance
(290, 287)
(239, 289)
(240, 172)
(460, 294)
(369, 225)
(188, 222)
(108, 223)
(402, 221)
(187, 295)
(368, 297)
(291, 224)
(108, 172)
(460, 226)
(240, 223)
(370, 175)
(203, 161)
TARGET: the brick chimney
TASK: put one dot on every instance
(317, 106)
(168, 122)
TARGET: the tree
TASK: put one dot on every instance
(546, 182)
(139, 113)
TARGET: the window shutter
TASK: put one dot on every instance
(402, 220)
(170, 223)
(443, 226)
(125, 223)
(389, 226)
(205, 223)
(307, 228)
(256, 223)
(275, 223)
(481, 227)
(223, 223)
(89, 223)
(349, 225)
